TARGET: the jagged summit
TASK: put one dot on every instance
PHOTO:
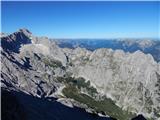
(25, 31)
(14, 41)
(2, 34)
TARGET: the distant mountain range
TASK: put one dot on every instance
(147, 46)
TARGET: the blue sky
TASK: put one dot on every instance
(83, 19)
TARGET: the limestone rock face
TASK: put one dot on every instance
(32, 64)
(29, 69)
(129, 79)
(29, 77)
(42, 45)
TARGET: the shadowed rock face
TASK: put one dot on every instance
(11, 107)
(139, 117)
(14, 41)
(21, 106)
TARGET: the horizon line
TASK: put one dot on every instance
(89, 38)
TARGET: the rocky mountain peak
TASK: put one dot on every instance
(25, 32)
(14, 41)
(2, 34)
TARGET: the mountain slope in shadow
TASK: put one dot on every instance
(18, 106)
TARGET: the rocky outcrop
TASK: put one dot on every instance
(29, 82)
(129, 79)
(14, 41)
(32, 65)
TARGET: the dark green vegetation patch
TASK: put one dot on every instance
(79, 83)
(105, 106)
(53, 63)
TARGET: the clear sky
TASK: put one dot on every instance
(83, 19)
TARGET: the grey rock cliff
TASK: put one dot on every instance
(129, 79)
(31, 65)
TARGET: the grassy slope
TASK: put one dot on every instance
(107, 105)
